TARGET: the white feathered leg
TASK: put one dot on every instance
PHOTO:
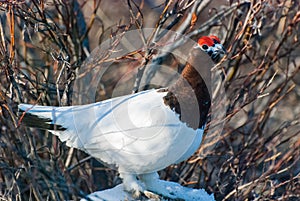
(154, 184)
(131, 184)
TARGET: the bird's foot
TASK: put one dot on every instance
(149, 186)
(161, 194)
(157, 188)
(151, 195)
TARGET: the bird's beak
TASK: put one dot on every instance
(220, 49)
(218, 53)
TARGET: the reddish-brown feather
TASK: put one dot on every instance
(215, 38)
(205, 40)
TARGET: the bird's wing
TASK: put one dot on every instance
(86, 122)
(123, 130)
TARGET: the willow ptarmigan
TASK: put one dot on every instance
(140, 133)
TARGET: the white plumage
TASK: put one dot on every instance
(137, 133)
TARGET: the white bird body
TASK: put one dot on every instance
(137, 133)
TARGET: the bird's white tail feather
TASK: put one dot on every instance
(58, 120)
(43, 117)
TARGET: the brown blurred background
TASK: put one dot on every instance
(249, 153)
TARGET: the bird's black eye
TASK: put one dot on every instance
(205, 47)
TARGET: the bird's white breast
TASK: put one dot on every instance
(138, 133)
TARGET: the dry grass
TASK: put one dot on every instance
(253, 155)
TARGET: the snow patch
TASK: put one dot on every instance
(183, 193)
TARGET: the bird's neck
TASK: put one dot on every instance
(197, 69)
(189, 96)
